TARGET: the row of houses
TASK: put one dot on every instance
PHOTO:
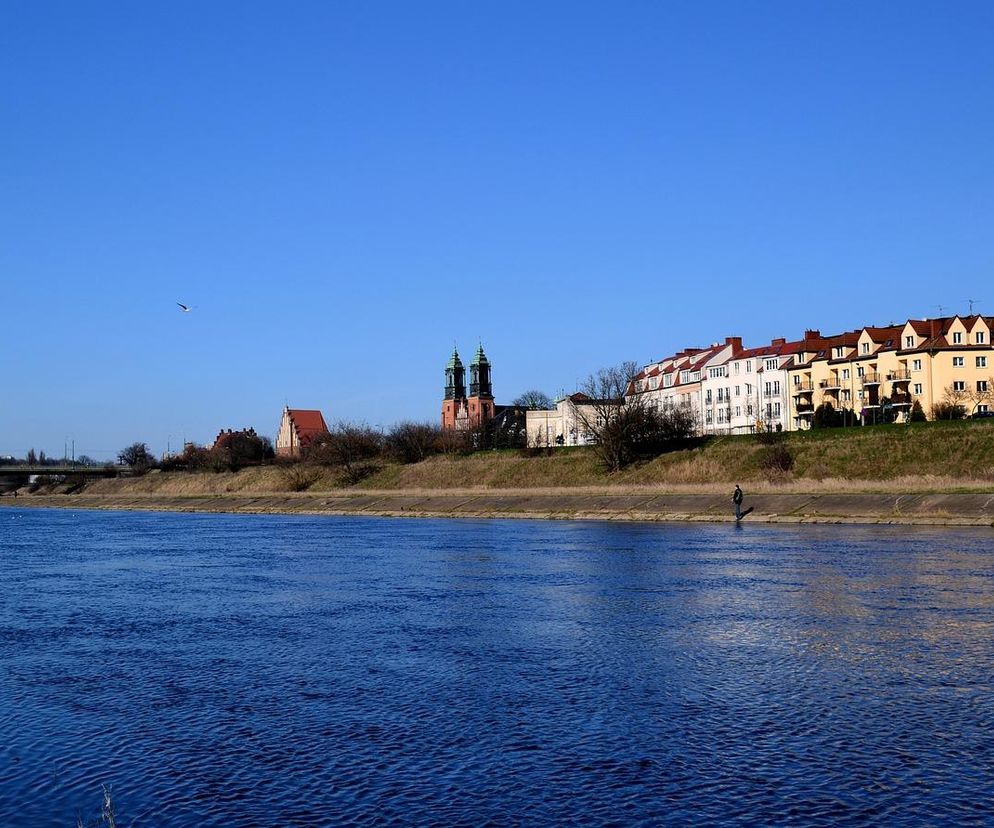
(871, 374)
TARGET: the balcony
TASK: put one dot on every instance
(870, 379)
(805, 409)
(832, 384)
(903, 375)
(803, 388)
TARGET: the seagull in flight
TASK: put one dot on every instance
(184, 308)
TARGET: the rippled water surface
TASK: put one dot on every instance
(241, 670)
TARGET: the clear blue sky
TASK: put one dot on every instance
(344, 189)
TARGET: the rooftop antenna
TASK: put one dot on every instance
(972, 301)
(941, 310)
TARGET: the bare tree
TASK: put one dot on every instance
(534, 400)
(350, 447)
(951, 406)
(411, 442)
(625, 427)
(137, 456)
(982, 393)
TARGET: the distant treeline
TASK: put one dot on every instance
(39, 458)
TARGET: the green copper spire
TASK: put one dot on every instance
(479, 375)
(455, 378)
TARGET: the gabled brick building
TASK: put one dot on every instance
(298, 427)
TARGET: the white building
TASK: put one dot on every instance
(569, 423)
(678, 381)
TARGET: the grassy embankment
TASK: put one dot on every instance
(954, 456)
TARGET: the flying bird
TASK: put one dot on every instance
(184, 308)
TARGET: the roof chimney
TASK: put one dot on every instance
(778, 341)
(735, 342)
(812, 334)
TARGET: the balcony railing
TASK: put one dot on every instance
(804, 387)
(902, 375)
(804, 408)
(870, 379)
(830, 384)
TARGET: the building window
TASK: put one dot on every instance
(909, 342)
(845, 373)
(749, 411)
(917, 388)
(957, 338)
(916, 365)
(776, 409)
(737, 390)
(959, 385)
(982, 407)
(707, 417)
(748, 366)
(771, 365)
(859, 395)
(981, 362)
(847, 395)
(980, 337)
(735, 367)
(839, 352)
(957, 362)
(738, 411)
(859, 370)
(982, 386)
(866, 347)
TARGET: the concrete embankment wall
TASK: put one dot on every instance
(926, 509)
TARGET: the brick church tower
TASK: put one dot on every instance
(458, 410)
(454, 404)
(481, 396)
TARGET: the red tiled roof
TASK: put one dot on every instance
(308, 422)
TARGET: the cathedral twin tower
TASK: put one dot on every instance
(458, 409)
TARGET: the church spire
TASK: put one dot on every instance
(455, 378)
(479, 376)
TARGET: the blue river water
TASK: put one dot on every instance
(256, 670)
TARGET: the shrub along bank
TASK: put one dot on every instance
(917, 456)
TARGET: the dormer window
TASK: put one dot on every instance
(957, 338)
(981, 338)
(839, 352)
(909, 342)
(866, 347)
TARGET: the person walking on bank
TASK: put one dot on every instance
(737, 500)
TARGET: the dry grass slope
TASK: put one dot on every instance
(933, 456)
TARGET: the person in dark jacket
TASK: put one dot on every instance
(737, 500)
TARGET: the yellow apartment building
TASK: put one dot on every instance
(947, 360)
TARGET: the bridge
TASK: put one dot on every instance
(63, 470)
